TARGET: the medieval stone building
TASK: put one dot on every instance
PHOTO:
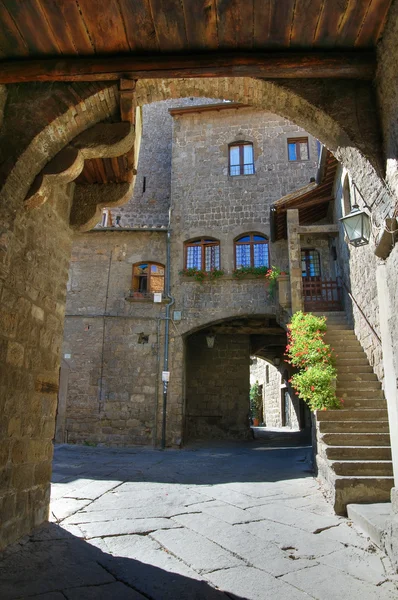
(209, 172)
(70, 133)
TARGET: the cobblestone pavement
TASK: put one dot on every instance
(231, 521)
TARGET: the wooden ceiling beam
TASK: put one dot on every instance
(266, 65)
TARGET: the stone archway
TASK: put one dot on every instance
(217, 374)
(39, 122)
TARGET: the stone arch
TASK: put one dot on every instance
(340, 114)
(39, 121)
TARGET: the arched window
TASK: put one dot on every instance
(251, 250)
(346, 196)
(202, 254)
(147, 278)
(241, 159)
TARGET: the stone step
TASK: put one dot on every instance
(351, 362)
(358, 452)
(376, 427)
(349, 490)
(349, 354)
(359, 394)
(344, 334)
(365, 403)
(360, 468)
(361, 386)
(355, 377)
(349, 414)
(330, 313)
(373, 519)
(344, 345)
(366, 368)
(356, 439)
(338, 325)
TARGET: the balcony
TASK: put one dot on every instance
(321, 295)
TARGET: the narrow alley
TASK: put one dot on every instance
(238, 521)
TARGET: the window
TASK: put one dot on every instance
(202, 254)
(147, 279)
(251, 250)
(241, 161)
(346, 196)
(310, 264)
(297, 149)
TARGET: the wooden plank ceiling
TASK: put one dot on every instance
(81, 28)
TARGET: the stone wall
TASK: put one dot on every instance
(357, 269)
(33, 278)
(112, 345)
(149, 205)
(272, 394)
(114, 393)
(217, 387)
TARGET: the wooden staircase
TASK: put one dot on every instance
(353, 444)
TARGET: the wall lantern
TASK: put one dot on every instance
(357, 226)
(277, 361)
(210, 339)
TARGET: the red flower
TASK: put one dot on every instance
(312, 388)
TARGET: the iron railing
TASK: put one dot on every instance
(322, 294)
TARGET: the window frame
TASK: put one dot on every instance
(297, 141)
(346, 196)
(203, 243)
(307, 252)
(252, 242)
(148, 292)
(241, 164)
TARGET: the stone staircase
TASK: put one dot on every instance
(353, 444)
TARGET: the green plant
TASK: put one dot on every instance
(255, 400)
(242, 271)
(307, 351)
(201, 275)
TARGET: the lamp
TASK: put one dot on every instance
(210, 339)
(357, 226)
(277, 361)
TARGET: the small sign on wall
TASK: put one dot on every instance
(157, 296)
(165, 375)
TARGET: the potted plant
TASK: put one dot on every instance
(255, 403)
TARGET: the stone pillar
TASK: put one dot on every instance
(391, 376)
(293, 240)
(33, 275)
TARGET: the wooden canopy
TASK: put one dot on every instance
(99, 39)
(312, 201)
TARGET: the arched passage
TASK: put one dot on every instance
(217, 374)
(35, 246)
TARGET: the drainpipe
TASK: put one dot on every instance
(155, 416)
(166, 335)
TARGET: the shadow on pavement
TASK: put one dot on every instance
(54, 565)
(197, 464)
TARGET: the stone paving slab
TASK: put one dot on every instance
(327, 583)
(359, 563)
(306, 520)
(110, 591)
(229, 522)
(125, 526)
(254, 551)
(197, 551)
(252, 584)
(300, 543)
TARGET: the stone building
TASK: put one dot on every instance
(113, 351)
